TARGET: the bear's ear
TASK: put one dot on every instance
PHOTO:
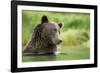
(60, 25)
(44, 19)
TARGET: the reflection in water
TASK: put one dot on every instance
(67, 54)
(44, 58)
(33, 58)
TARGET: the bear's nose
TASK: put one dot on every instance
(59, 41)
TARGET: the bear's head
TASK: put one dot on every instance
(51, 30)
(45, 38)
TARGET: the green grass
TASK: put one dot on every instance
(75, 34)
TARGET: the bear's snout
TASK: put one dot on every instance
(59, 41)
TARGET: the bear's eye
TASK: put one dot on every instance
(55, 30)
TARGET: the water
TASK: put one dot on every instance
(66, 54)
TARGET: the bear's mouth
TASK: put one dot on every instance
(57, 42)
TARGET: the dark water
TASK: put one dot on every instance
(43, 57)
(67, 54)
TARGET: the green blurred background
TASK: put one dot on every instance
(75, 34)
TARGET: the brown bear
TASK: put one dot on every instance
(45, 38)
